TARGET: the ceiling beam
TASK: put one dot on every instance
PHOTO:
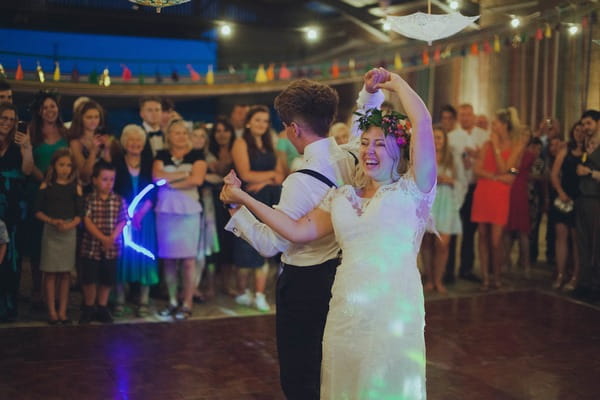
(360, 17)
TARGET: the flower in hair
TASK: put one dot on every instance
(392, 123)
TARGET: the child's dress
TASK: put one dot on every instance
(59, 248)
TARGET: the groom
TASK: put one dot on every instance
(307, 109)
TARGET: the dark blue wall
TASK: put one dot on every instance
(88, 52)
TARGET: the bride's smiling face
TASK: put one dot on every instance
(375, 158)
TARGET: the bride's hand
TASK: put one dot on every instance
(232, 195)
(232, 179)
(392, 83)
(375, 77)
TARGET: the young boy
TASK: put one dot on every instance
(104, 219)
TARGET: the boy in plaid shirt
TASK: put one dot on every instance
(104, 219)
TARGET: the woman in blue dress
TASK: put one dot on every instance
(134, 173)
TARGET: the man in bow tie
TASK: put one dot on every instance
(151, 112)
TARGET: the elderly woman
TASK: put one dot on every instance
(134, 173)
(16, 161)
(178, 213)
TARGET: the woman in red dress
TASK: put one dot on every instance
(495, 169)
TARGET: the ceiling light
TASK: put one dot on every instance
(453, 5)
(225, 30)
(515, 22)
(573, 29)
(312, 34)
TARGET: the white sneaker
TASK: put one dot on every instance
(260, 302)
(245, 299)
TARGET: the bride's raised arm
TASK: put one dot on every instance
(312, 226)
(422, 146)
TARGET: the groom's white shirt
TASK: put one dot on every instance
(301, 193)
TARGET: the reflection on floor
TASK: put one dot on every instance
(504, 345)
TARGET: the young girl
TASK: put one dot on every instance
(451, 189)
(59, 205)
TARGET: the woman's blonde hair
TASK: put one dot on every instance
(397, 154)
(446, 159)
(132, 130)
(172, 123)
(510, 117)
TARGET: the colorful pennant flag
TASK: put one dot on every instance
(56, 75)
(126, 73)
(284, 73)
(40, 73)
(261, 74)
(335, 70)
(271, 72)
(19, 73)
(398, 62)
(194, 75)
(210, 76)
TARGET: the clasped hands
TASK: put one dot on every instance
(232, 192)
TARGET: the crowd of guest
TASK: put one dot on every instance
(132, 215)
(496, 181)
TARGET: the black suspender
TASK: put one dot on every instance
(318, 176)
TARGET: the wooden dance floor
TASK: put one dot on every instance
(501, 346)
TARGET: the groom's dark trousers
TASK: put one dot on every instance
(303, 295)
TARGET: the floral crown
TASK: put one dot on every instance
(392, 123)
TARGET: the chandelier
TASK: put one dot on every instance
(159, 4)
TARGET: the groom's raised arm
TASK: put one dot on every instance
(300, 194)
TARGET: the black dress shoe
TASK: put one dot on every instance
(469, 276)
(53, 322)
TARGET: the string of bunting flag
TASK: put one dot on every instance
(408, 57)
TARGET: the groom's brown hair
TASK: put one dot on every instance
(309, 102)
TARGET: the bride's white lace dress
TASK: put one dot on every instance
(373, 346)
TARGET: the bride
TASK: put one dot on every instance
(373, 346)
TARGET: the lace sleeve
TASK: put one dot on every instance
(325, 204)
(424, 201)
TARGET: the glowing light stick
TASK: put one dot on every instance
(127, 237)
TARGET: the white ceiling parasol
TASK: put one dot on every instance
(429, 27)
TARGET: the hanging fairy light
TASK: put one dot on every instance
(515, 22)
(225, 30)
(573, 29)
(386, 26)
(312, 34)
(159, 4)
(453, 4)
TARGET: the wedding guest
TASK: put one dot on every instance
(340, 132)
(257, 165)
(221, 140)
(133, 174)
(16, 163)
(588, 218)
(6, 95)
(59, 206)
(209, 247)
(85, 142)
(519, 219)
(178, 212)
(105, 215)
(151, 114)
(450, 192)
(466, 142)
(495, 170)
(237, 118)
(448, 116)
(48, 135)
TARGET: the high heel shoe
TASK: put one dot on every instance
(558, 282)
(570, 286)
